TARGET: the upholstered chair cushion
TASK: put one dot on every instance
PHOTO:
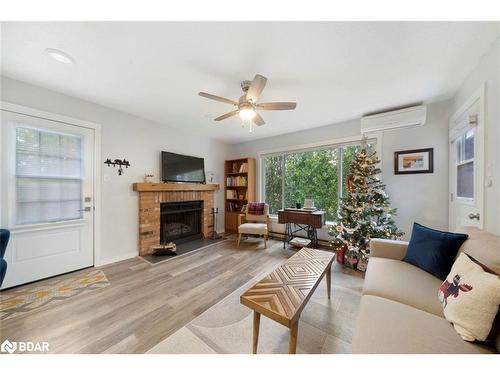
(4, 240)
(253, 228)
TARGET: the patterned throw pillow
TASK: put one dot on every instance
(470, 298)
(255, 208)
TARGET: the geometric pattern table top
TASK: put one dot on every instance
(283, 294)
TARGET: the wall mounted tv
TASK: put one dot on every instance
(182, 168)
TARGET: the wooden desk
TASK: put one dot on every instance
(283, 294)
(309, 221)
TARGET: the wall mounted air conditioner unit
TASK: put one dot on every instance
(401, 118)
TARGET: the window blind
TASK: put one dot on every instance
(48, 176)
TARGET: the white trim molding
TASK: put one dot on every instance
(326, 143)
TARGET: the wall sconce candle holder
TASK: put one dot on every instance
(120, 163)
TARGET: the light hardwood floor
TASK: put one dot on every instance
(144, 304)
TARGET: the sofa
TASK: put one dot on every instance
(400, 311)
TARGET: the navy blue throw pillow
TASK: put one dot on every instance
(432, 250)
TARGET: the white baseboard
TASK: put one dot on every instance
(118, 258)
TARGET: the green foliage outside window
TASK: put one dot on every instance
(273, 167)
(310, 174)
(313, 174)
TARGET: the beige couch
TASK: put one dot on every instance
(400, 311)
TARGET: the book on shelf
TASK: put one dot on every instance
(236, 181)
(230, 194)
(244, 168)
(233, 207)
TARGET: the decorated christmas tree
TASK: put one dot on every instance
(364, 212)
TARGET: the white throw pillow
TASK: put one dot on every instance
(470, 298)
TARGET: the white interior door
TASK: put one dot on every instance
(47, 197)
(466, 156)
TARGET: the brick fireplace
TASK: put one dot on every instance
(152, 195)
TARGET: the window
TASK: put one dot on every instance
(465, 165)
(320, 174)
(48, 176)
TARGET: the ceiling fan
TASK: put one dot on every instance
(247, 103)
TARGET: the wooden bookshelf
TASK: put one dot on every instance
(239, 189)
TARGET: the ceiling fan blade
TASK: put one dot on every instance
(277, 106)
(218, 98)
(258, 120)
(255, 89)
(226, 115)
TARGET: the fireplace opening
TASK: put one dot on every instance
(180, 221)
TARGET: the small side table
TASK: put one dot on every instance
(301, 220)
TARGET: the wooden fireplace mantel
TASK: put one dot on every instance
(143, 186)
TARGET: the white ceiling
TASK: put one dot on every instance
(334, 70)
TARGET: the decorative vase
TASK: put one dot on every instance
(148, 178)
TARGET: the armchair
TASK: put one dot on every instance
(4, 240)
(256, 218)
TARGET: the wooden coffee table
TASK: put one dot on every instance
(283, 294)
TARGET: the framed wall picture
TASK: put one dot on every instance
(414, 161)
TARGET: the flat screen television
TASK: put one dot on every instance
(182, 168)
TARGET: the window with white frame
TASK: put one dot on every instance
(320, 174)
(465, 165)
(48, 176)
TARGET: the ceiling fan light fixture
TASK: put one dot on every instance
(247, 103)
(247, 113)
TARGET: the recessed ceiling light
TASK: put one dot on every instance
(59, 56)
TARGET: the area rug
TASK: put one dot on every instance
(326, 325)
(24, 300)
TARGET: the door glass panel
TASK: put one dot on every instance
(465, 147)
(465, 180)
(48, 176)
(465, 165)
(469, 145)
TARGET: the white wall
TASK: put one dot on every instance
(420, 197)
(123, 136)
(488, 71)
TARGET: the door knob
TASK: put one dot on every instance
(474, 216)
(86, 209)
